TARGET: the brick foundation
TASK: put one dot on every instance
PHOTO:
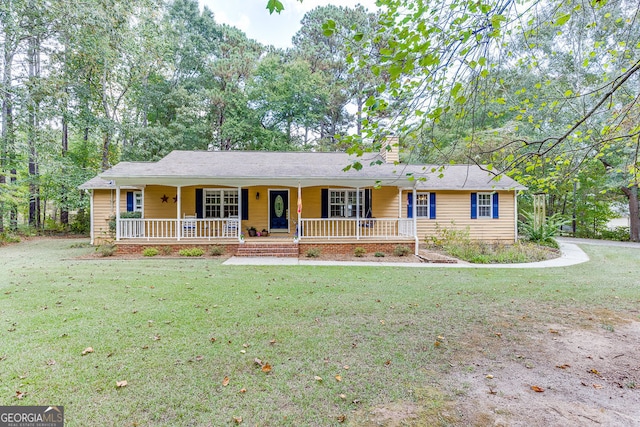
(137, 249)
(349, 248)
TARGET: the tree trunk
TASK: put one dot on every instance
(34, 190)
(634, 212)
(8, 132)
(64, 211)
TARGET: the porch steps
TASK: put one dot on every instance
(268, 249)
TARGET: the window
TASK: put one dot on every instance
(422, 205)
(484, 205)
(220, 203)
(137, 201)
(344, 203)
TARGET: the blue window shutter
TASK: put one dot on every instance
(129, 201)
(199, 203)
(495, 206)
(432, 205)
(367, 203)
(324, 203)
(409, 205)
(474, 205)
(245, 204)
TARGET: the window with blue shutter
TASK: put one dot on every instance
(324, 203)
(199, 203)
(432, 205)
(245, 204)
(474, 205)
(129, 201)
(495, 206)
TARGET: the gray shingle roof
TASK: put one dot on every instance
(244, 168)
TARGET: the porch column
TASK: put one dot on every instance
(178, 210)
(415, 220)
(117, 213)
(91, 220)
(515, 215)
(239, 213)
(400, 202)
(298, 230)
(357, 213)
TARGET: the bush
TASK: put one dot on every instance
(379, 255)
(359, 252)
(620, 234)
(107, 249)
(79, 245)
(150, 252)
(216, 250)
(191, 252)
(166, 250)
(313, 253)
(401, 250)
(546, 232)
(6, 238)
(123, 215)
(81, 223)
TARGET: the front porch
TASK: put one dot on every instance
(198, 230)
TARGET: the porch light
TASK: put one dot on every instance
(257, 195)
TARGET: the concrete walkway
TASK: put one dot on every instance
(571, 255)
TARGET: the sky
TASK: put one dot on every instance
(252, 17)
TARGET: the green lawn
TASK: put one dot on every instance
(175, 328)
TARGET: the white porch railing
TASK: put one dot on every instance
(148, 229)
(364, 228)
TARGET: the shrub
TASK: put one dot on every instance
(401, 250)
(81, 223)
(620, 234)
(313, 253)
(6, 238)
(166, 250)
(123, 215)
(545, 233)
(150, 252)
(216, 250)
(79, 245)
(379, 255)
(107, 249)
(191, 252)
(359, 252)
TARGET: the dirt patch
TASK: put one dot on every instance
(584, 377)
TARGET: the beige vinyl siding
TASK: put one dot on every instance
(384, 202)
(453, 211)
(104, 207)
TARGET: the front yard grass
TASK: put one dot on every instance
(340, 341)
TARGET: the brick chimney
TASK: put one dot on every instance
(390, 148)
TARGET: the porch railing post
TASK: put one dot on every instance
(117, 213)
(178, 209)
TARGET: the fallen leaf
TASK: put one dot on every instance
(345, 367)
(382, 322)
(440, 338)
(272, 342)
(593, 371)
(565, 366)
(51, 362)
(597, 386)
(156, 337)
(225, 381)
(553, 331)
(199, 358)
(266, 368)
(212, 339)
(243, 351)
(87, 351)
(499, 334)
(343, 396)
(436, 344)
(145, 347)
(492, 391)
(245, 345)
(387, 363)
(537, 389)
(120, 384)
(341, 418)
(237, 420)
(243, 390)
(490, 377)
(20, 394)
(338, 378)
(257, 361)
(317, 378)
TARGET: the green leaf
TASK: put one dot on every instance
(329, 27)
(562, 19)
(275, 6)
(358, 37)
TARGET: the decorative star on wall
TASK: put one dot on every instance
(164, 198)
(175, 199)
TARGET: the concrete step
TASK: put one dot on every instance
(284, 250)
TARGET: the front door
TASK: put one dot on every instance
(279, 210)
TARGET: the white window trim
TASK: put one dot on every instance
(346, 205)
(427, 206)
(478, 214)
(222, 204)
(138, 201)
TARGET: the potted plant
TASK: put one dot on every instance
(264, 232)
(252, 231)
